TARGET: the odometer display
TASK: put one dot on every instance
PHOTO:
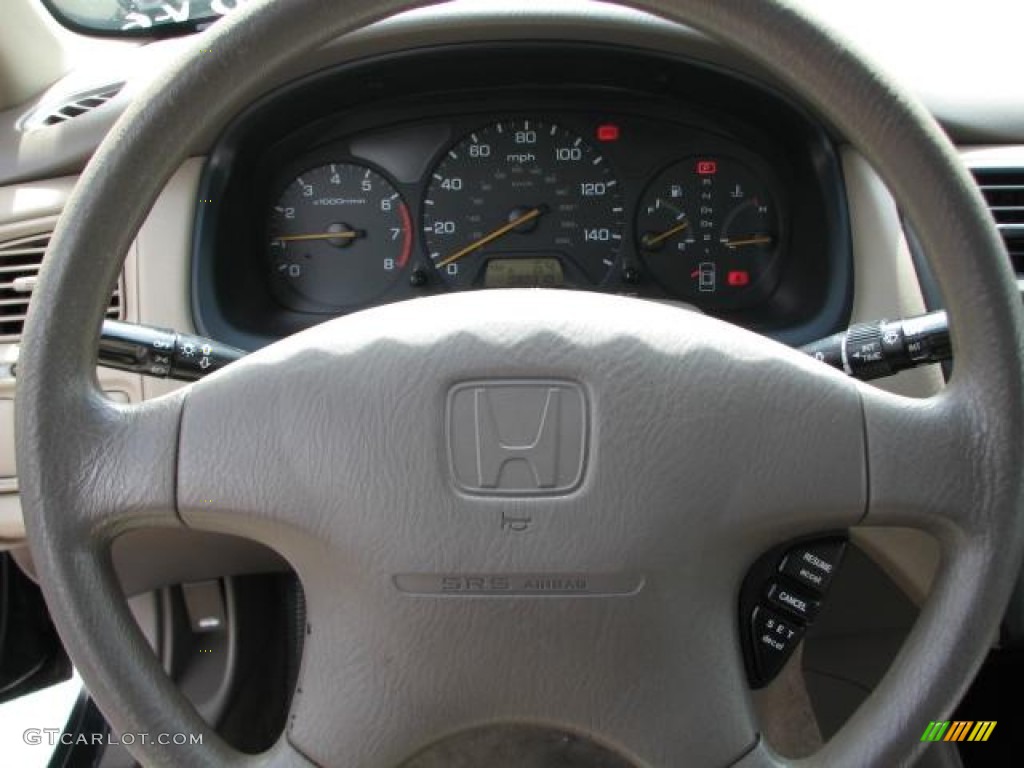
(523, 189)
(524, 273)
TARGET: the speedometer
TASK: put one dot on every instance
(523, 202)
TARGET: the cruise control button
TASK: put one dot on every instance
(814, 565)
(799, 604)
(774, 638)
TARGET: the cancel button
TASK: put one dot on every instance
(793, 601)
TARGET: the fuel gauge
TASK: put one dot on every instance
(707, 231)
(667, 224)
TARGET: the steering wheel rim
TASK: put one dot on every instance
(77, 451)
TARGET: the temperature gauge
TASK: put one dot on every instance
(707, 231)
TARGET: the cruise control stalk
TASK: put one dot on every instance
(872, 350)
(161, 352)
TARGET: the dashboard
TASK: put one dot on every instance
(572, 167)
(656, 119)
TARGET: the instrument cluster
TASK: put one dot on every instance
(527, 202)
(661, 181)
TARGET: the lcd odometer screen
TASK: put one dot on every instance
(524, 273)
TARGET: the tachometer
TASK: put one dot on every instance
(339, 235)
(523, 202)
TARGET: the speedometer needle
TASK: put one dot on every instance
(649, 240)
(752, 240)
(349, 235)
(530, 215)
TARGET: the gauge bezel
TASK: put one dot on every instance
(295, 300)
(574, 266)
(761, 289)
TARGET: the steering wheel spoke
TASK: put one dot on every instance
(927, 463)
(123, 476)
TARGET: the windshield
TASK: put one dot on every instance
(147, 17)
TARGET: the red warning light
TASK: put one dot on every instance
(707, 167)
(608, 132)
(738, 278)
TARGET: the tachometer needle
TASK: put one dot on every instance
(349, 235)
(751, 240)
(650, 240)
(530, 215)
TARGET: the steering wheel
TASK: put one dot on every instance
(671, 450)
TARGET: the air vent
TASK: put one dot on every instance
(1003, 189)
(70, 108)
(19, 270)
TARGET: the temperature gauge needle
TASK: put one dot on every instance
(347, 235)
(748, 240)
(530, 215)
(650, 240)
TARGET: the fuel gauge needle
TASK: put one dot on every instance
(748, 240)
(650, 240)
(504, 229)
